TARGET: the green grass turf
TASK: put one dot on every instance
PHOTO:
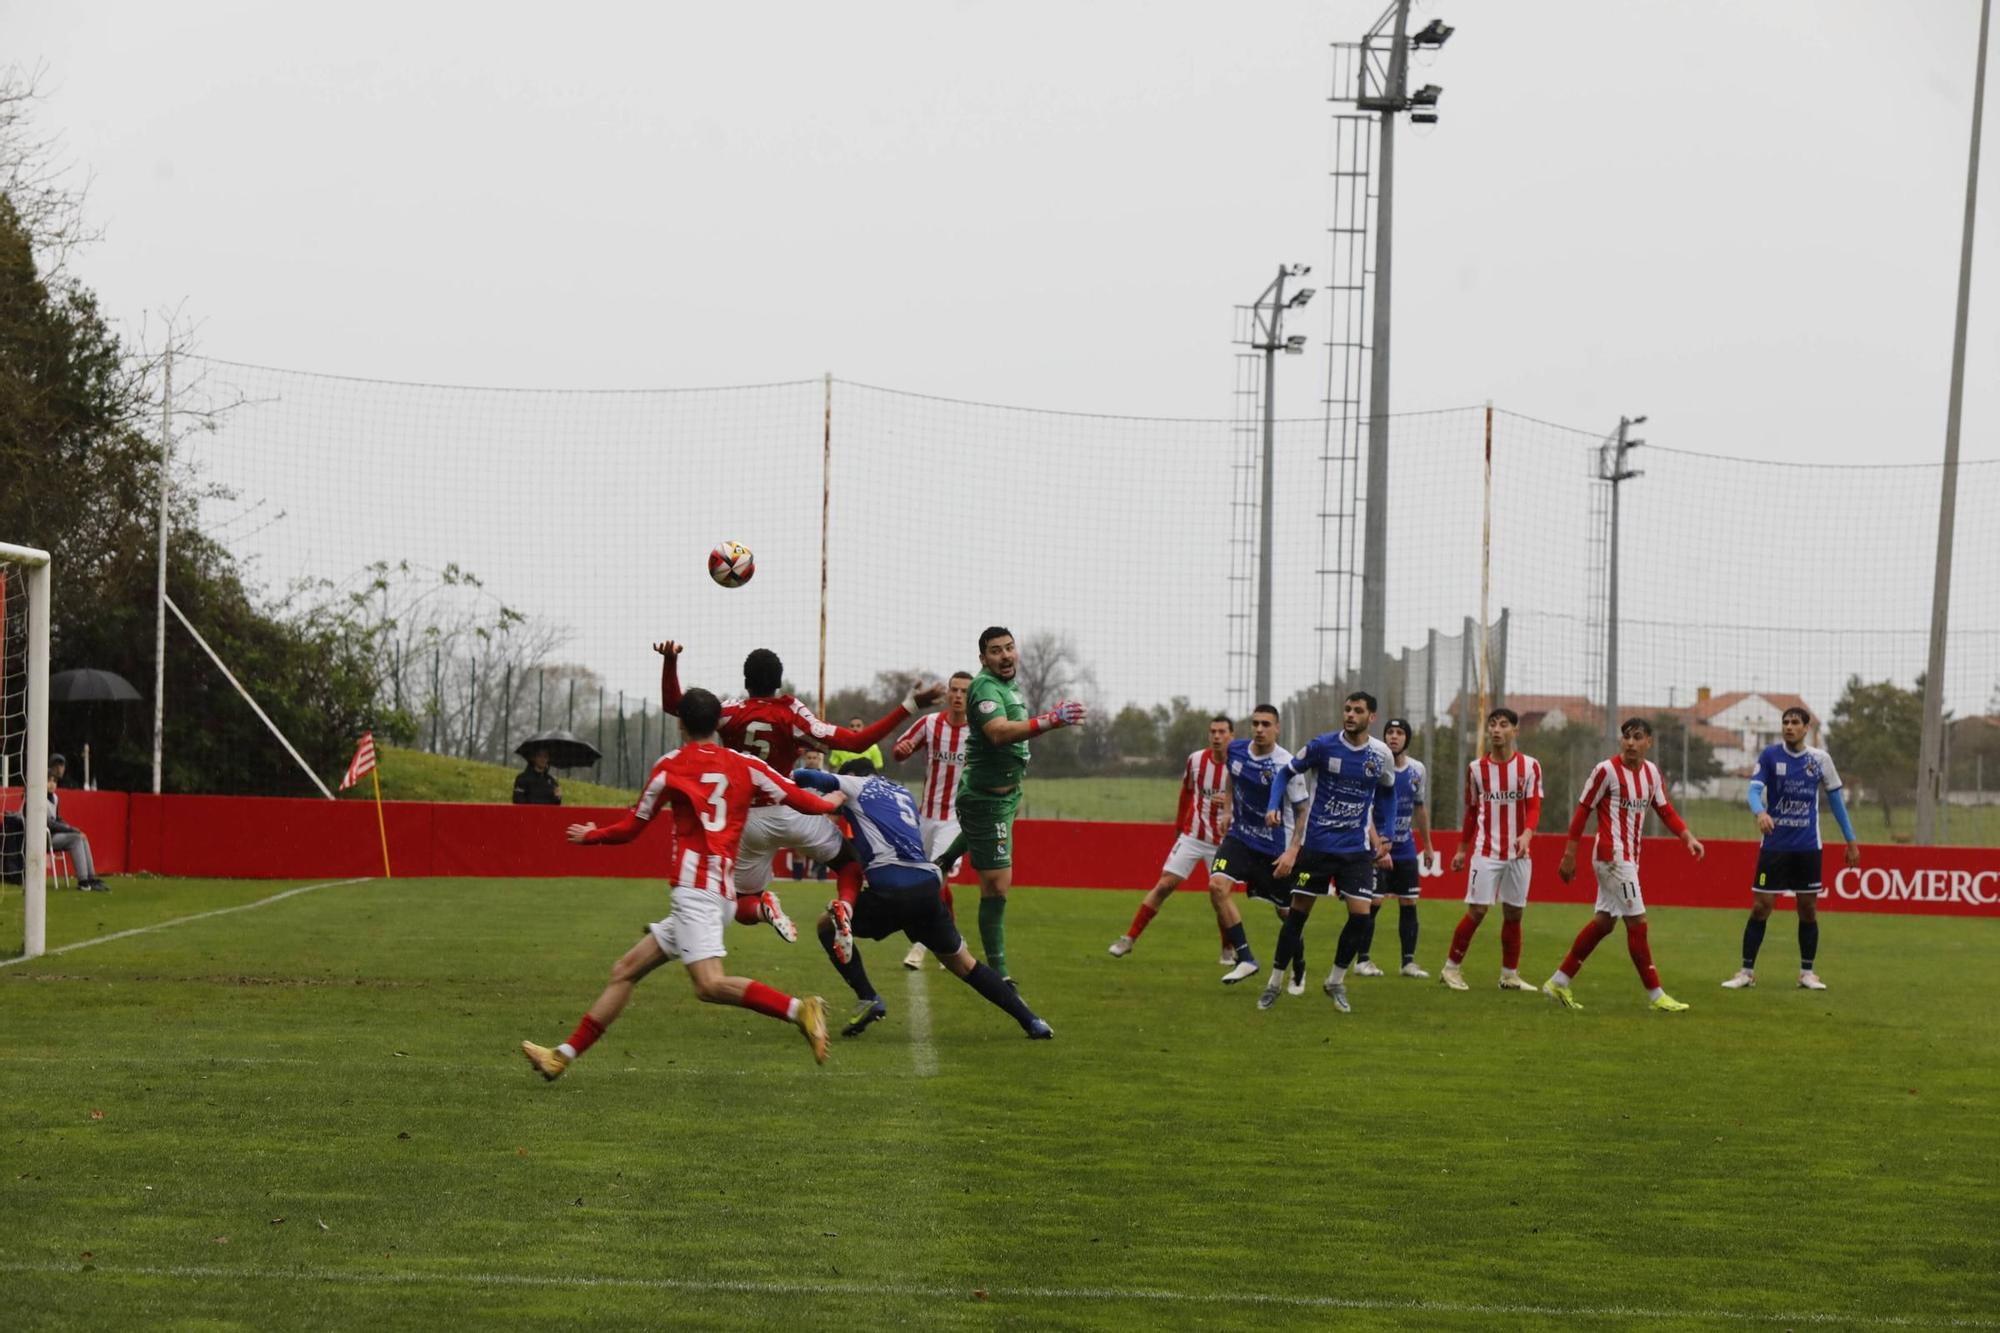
(415, 775)
(313, 1115)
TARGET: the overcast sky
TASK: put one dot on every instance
(1740, 218)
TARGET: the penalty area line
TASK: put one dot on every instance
(929, 1291)
(184, 920)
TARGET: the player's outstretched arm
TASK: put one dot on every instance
(1003, 731)
(670, 676)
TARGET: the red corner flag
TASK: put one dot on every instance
(363, 761)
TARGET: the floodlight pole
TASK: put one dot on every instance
(1611, 467)
(1932, 780)
(1380, 63)
(1267, 335)
(1375, 517)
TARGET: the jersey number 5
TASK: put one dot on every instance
(717, 813)
(753, 740)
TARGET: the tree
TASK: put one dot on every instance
(1135, 734)
(1685, 758)
(80, 478)
(1873, 734)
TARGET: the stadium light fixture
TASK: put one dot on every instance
(1295, 344)
(1427, 95)
(1423, 118)
(1304, 295)
(1433, 35)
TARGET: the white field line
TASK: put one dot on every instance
(183, 920)
(1143, 1295)
(923, 1055)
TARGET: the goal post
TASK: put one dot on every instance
(24, 723)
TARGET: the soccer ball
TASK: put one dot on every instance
(731, 564)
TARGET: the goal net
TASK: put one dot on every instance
(24, 736)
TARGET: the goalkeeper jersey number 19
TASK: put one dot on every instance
(988, 765)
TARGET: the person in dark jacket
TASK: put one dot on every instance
(67, 837)
(535, 785)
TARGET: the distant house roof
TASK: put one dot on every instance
(1721, 703)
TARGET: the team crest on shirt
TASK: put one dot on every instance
(988, 706)
(1812, 768)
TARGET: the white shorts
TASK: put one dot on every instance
(1505, 880)
(767, 828)
(1187, 852)
(938, 834)
(1618, 888)
(692, 931)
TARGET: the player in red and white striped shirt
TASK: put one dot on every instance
(1505, 803)
(943, 736)
(1620, 791)
(1200, 823)
(709, 791)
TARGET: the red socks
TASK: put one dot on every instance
(766, 1001)
(1461, 939)
(1588, 938)
(1140, 919)
(1642, 953)
(849, 886)
(746, 910)
(1510, 944)
(588, 1030)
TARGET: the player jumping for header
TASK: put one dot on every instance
(774, 726)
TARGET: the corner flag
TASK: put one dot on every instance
(363, 761)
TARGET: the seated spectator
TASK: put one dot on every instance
(535, 785)
(67, 837)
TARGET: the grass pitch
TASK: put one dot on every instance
(311, 1114)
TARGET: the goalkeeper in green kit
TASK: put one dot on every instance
(989, 787)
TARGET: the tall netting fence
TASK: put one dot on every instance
(528, 546)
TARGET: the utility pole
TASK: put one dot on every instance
(1266, 334)
(1383, 87)
(1932, 778)
(160, 588)
(1611, 467)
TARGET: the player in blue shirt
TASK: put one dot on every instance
(1403, 880)
(1344, 837)
(898, 888)
(1784, 795)
(1250, 846)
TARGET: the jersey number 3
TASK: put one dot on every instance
(717, 813)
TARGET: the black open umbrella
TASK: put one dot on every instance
(87, 685)
(566, 749)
